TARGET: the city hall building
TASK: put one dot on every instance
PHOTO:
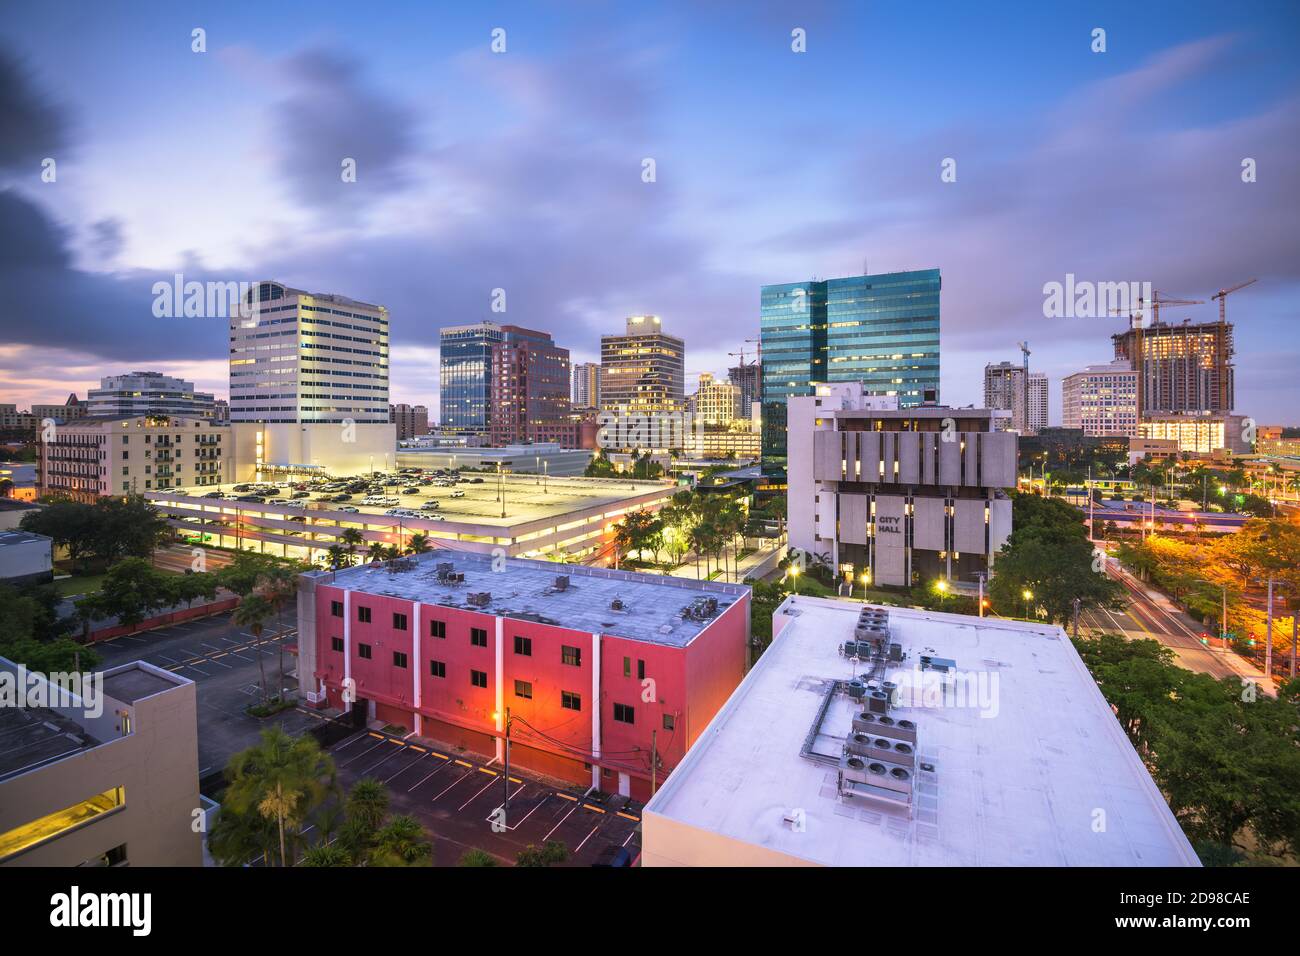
(902, 495)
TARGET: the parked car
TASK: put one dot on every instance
(244, 488)
(257, 498)
(350, 510)
(476, 481)
(457, 494)
(214, 494)
(429, 506)
(343, 497)
(300, 494)
(410, 491)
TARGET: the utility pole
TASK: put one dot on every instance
(505, 797)
(654, 760)
(1092, 533)
(981, 594)
(1076, 602)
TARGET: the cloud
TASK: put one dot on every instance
(31, 127)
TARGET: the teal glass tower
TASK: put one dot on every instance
(881, 330)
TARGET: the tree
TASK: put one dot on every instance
(70, 524)
(549, 853)
(402, 842)
(419, 543)
(477, 857)
(326, 855)
(1048, 555)
(131, 591)
(281, 780)
(337, 557)
(253, 613)
(351, 539)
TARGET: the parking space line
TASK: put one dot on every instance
(407, 767)
(561, 823)
(428, 775)
(363, 753)
(473, 798)
(629, 838)
(391, 755)
(450, 785)
(628, 816)
(579, 847)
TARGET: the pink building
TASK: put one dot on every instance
(603, 673)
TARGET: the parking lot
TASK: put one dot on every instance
(223, 661)
(457, 798)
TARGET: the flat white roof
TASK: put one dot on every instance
(1034, 770)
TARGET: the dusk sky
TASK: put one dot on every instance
(522, 170)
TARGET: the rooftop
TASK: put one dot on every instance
(652, 604)
(1018, 773)
(11, 537)
(33, 736)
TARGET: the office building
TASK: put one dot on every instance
(112, 785)
(1101, 400)
(715, 402)
(642, 370)
(147, 393)
(91, 457)
(900, 495)
(309, 384)
(411, 421)
(608, 677)
(1199, 434)
(880, 330)
(1182, 369)
(504, 384)
(586, 385)
(25, 558)
(1004, 390)
(879, 737)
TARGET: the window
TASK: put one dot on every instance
(399, 621)
(363, 614)
(336, 608)
(624, 713)
(437, 628)
(571, 656)
(524, 689)
(570, 701)
(336, 644)
(363, 651)
(524, 646)
(399, 659)
(670, 722)
(52, 824)
(437, 669)
(478, 678)
(640, 670)
(478, 637)
(627, 667)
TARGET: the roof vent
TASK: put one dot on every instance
(561, 582)
(616, 604)
(479, 598)
(701, 609)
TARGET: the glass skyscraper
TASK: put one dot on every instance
(880, 330)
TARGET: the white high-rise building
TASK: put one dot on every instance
(1101, 400)
(586, 385)
(147, 393)
(309, 384)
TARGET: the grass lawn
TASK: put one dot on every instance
(80, 584)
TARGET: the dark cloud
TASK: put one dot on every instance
(328, 116)
(106, 238)
(31, 128)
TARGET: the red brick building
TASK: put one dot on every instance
(604, 676)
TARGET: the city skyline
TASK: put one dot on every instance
(1069, 171)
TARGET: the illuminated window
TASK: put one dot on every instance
(52, 825)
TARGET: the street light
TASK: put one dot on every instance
(1028, 595)
(942, 587)
(794, 574)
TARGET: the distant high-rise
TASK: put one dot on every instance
(715, 402)
(147, 393)
(747, 378)
(1101, 400)
(1004, 389)
(1182, 369)
(642, 370)
(505, 384)
(309, 383)
(879, 330)
(411, 421)
(585, 392)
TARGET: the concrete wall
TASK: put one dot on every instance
(372, 446)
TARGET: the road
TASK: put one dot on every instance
(1151, 615)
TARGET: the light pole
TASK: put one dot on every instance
(794, 576)
(1028, 595)
(981, 594)
(942, 587)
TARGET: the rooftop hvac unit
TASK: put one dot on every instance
(701, 609)
(860, 776)
(895, 652)
(479, 599)
(561, 582)
(856, 689)
(616, 604)
(879, 747)
(877, 702)
(885, 726)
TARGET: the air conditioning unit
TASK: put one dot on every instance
(561, 582)
(479, 598)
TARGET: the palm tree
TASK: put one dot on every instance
(326, 855)
(351, 539)
(402, 842)
(376, 551)
(280, 588)
(368, 802)
(419, 543)
(281, 780)
(337, 557)
(477, 857)
(253, 613)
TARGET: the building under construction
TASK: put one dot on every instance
(1183, 368)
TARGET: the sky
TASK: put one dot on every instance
(523, 170)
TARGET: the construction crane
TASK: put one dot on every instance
(1158, 299)
(1024, 351)
(1221, 341)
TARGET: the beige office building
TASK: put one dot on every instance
(105, 779)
